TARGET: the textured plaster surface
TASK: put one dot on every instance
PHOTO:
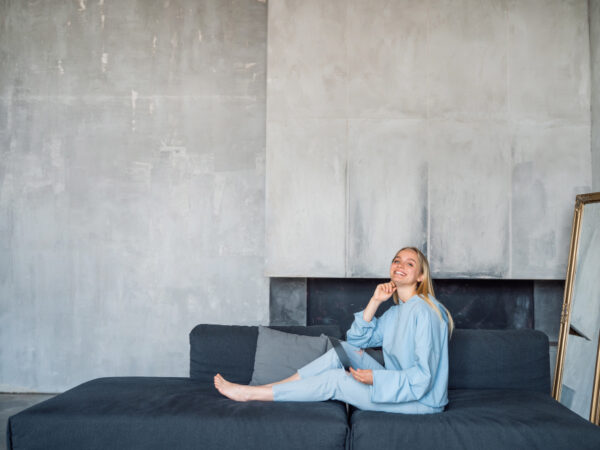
(132, 169)
(306, 178)
(462, 127)
(288, 301)
(387, 183)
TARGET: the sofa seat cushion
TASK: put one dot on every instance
(175, 413)
(476, 419)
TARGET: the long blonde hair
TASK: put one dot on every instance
(425, 288)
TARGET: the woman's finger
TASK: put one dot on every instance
(357, 376)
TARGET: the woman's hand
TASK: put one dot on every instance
(384, 291)
(363, 375)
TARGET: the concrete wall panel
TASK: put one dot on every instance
(549, 66)
(550, 167)
(387, 59)
(307, 59)
(468, 204)
(288, 302)
(474, 72)
(467, 59)
(387, 191)
(306, 198)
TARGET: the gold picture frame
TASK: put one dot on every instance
(565, 320)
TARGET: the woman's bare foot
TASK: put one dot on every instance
(237, 392)
(242, 393)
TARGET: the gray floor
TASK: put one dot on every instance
(11, 404)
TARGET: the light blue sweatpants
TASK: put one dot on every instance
(325, 379)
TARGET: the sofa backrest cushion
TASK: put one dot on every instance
(230, 349)
(499, 359)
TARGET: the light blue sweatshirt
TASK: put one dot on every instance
(415, 350)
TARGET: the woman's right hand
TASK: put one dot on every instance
(384, 291)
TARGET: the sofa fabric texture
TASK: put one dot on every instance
(499, 359)
(491, 419)
(496, 359)
(172, 413)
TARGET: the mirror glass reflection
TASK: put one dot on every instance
(582, 342)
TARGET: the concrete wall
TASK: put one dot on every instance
(132, 160)
(132, 167)
(594, 17)
(460, 127)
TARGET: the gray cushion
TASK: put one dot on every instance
(279, 355)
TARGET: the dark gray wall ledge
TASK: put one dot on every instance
(474, 303)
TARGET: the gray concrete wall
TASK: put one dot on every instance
(594, 17)
(460, 127)
(132, 164)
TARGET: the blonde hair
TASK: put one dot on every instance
(425, 287)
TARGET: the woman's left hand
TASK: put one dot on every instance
(363, 375)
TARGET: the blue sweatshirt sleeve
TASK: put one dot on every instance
(365, 334)
(412, 383)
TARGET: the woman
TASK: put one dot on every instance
(413, 334)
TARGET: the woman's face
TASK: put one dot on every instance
(405, 268)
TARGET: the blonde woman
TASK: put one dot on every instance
(414, 337)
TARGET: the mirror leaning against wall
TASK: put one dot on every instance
(577, 373)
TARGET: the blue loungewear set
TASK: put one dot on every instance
(415, 350)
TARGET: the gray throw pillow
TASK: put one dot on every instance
(279, 355)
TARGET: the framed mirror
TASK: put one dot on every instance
(577, 373)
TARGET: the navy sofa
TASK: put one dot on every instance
(498, 388)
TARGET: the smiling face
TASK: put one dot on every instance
(405, 268)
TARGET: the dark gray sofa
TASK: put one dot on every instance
(182, 413)
(499, 399)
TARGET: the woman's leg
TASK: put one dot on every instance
(325, 378)
(326, 362)
(338, 384)
(329, 360)
(360, 359)
(240, 392)
(287, 380)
